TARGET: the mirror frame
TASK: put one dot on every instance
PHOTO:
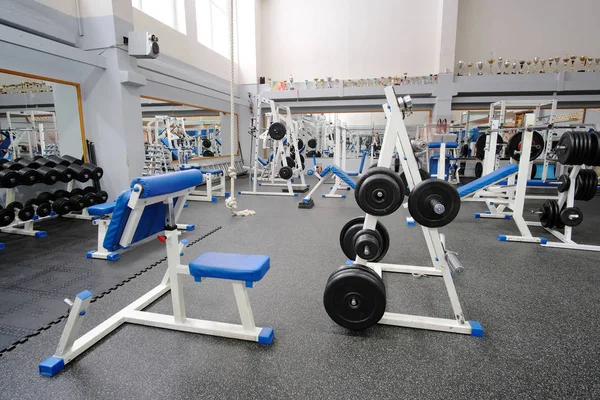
(237, 123)
(79, 103)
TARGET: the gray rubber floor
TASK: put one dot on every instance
(539, 308)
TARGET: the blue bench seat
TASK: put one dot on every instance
(238, 267)
(437, 145)
(212, 171)
(487, 180)
(102, 209)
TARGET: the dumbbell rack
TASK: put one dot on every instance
(156, 159)
(396, 138)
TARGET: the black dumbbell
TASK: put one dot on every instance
(24, 213)
(9, 178)
(100, 196)
(26, 162)
(66, 173)
(82, 174)
(41, 209)
(48, 175)
(59, 160)
(77, 197)
(97, 172)
(6, 216)
(73, 160)
(44, 161)
(27, 176)
(60, 205)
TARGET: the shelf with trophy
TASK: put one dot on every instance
(338, 88)
(533, 65)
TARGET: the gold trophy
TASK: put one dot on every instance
(337, 83)
(270, 83)
(566, 62)
(322, 83)
(328, 82)
(528, 66)
(543, 62)
(556, 61)
(316, 83)
(306, 84)
(597, 62)
(405, 78)
(469, 65)
(583, 60)
(506, 65)
(480, 67)
(521, 63)
(491, 64)
(459, 64)
(536, 60)
(573, 58)
(550, 61)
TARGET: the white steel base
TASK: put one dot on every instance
(429, 323)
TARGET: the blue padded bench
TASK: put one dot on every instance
(155, 190)
(212, 171)
(486, 180)
(534, 183)
(238, 267)
(437, 145)
(339, 173)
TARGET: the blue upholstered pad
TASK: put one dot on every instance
(186, 167)
(102, 209)
(159, 185)
(535, 183)
(488, 179)
(173, 151)
(212, 171)
(437, 145)
(151, 223)
(339, 173)
(239, 267)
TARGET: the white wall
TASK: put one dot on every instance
(67, 120)
(347, 38)
(521, 30)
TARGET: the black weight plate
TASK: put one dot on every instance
(290, 162)
(592, 184)
(515, 143)
(419, 203)
(424, 175)
(556, 223)
(480, 147)
(300, 144)
(571, 211)
(354, 297)
(208, 153)
(62, 206)
(478, 170)
(586, 183)
(78, 202)
(277, 131)
(578, 186)
(312, 143)
(9, 179)
(15, 205)
(302, 160)
(583, 147)
(577, 153)
(63, 193)
(206, 143)
(102, 197)
(597, 158)
(90, 199)
(396, 164)
(590, 157)
(89, 189)
(367, 244)
(75, 192)
(351, 228)
(565, 148)
(285, 173)
(379, 191)
(564, 184)
(6, 216)
(546, 216)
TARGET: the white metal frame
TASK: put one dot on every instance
(215, 186)
(70, 347)
(396, 138)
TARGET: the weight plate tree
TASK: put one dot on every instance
(434, 203)
(379, 191)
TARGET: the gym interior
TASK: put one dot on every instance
(401, 194)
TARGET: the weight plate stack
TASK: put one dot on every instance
(349, 231)
(355, 297)
(379, 191)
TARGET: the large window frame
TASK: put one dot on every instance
(176, 18)
(212, 24)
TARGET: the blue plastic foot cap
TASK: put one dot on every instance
(502, 238)
(185, 206)
(89, 254)
(213, 199)
(97, 217)
(113, 256)
(260, 184)
(40, 234)
(239, 192)
(185, 241)
(266, 336)
(323, 196)
(507, 217)
(305, 200)
(487, 212)
(543, 240)
(227, 194)
(51, 366)
(2, 246)
(348, 262)
(190, 227)
(343, 196)
(476, 328)
(295, 194)
(477, 215)
(84, 295)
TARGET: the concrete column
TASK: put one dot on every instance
(446, 35)
(111, 98)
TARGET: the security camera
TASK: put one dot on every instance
(143, 45)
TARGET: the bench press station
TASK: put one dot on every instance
(130, 220)
(144, 218)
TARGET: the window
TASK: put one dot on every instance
(213, 25)
(169, 12)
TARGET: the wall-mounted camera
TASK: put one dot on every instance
(143, 45)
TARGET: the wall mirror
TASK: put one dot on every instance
(39, 116)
